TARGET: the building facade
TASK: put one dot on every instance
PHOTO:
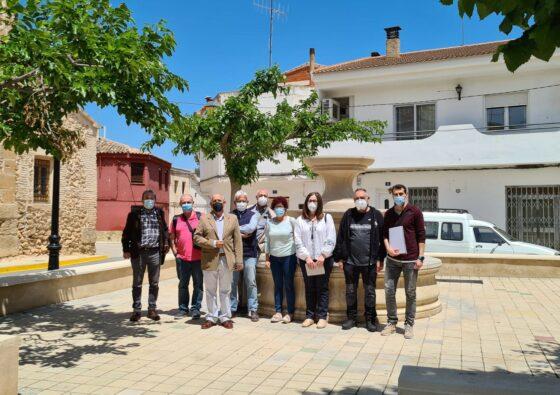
(462, 132)
(123, 174)
(185, 181)
(26, 197)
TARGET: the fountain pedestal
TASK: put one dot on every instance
(338, 173)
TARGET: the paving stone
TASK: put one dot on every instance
(88, 346)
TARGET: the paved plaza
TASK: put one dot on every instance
(88, 345)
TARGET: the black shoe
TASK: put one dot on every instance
(135, 317)
(371, 326)
(348, 324)
(195, 314)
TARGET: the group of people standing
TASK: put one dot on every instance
(215, 248)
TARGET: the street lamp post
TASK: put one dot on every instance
(54, 239)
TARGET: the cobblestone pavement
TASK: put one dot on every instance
(88, 346)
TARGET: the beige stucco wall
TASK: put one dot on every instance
(192, 186)
(25, 224)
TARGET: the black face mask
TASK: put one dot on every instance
(218, 207)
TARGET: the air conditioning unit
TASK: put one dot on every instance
(332, 108)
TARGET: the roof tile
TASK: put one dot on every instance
(415, 57)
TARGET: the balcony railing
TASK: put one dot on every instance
(488, 130)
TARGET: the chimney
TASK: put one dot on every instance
(375, 54)
(311, 60)
(393, 42)
(208, 99)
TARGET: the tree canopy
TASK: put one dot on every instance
(59, 55)
(245, 135)
(539, 20)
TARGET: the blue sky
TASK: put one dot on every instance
(221, 43)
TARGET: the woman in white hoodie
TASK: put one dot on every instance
(315, 239)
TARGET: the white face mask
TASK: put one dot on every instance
(262, 201)
(312, 206)
(361, 204)
(241, 206)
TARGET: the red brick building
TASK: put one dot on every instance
(123, 173)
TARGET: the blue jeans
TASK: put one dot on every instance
(186, 270)
(250, 280)
(283, 272)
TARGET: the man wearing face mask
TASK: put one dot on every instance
(248, 221)
(187, 257)
(360, 249)
(219, 237)
(264, 213)
(145, 241)
(412, 221)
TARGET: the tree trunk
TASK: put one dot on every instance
(234, 187)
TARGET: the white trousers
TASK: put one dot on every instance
(218, 281)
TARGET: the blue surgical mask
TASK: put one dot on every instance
(186, 206)
(149, 204)
(399, 200)
(279, 211)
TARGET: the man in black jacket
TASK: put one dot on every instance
(360, 249)
(145, 241)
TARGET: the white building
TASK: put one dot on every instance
(462, 132)
(181, 182)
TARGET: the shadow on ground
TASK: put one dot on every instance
(61, 335)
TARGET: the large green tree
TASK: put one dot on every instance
(245, 136)
(59, 55)
(539, 20)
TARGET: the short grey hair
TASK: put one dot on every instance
(240, 193)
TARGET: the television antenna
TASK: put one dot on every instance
(273, 11)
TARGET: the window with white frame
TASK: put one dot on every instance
(415, 121)
(506, 111)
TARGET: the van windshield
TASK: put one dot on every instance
(504, 234)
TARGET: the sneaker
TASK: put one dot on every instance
(389, 329)
(408, 332)
(348, 324)
(135, 317)
(181, 314)
(307, 323)
(254, 316)
(153, 315)
(276, 317)
(287, 319)
(322, 324)
(371, 326)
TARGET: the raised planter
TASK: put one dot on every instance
(427, 294)
(9, 362)
(498, 265)
(419, 380)
(25, 291)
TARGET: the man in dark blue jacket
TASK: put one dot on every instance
(248, 221)
(361, 251)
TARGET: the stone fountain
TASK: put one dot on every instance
(338, 173)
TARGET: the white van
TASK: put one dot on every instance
(458, 231)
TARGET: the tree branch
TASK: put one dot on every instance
(78, 63)
(15, 80)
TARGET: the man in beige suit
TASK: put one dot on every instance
(219, 237)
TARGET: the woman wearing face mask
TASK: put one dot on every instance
(280, 249)
(315, 238)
